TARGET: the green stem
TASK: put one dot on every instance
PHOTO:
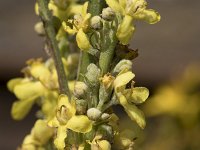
(109, 41)
(95, 8)
(46, 17)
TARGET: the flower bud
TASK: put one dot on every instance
(80, 89)
(39, 28)
(108, 14)
(123, 65)
(105, 116)
(93, 114)
(96, 22)
(93, 74)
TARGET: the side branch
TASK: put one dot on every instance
(46, 17)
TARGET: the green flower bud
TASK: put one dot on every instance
(93, 74)
(80, 89)
(39, 28)
(81, 106)
(123, 65)
(108, 14)
(93, 114)
(96, 22)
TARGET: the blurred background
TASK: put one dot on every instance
(165, 50)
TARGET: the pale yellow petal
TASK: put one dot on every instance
(53, 122)
(125, 30)
(133, 112)
(63, 100)
(80, 124)
(29, 90)
(13, 82)
(139, 95)
(75, 9)
(84, 9)
(82, 40)
(21, 108)
(60, 137)
(104, 145)
(148, 15)
(68, 29)
(42, 132)
(115, 5)
(123, 79)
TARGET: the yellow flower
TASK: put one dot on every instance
(99, 144)
(131, 10)
(64, 12)
(127, 97)
(40, 83)
(40, 135)
(80, 25)
(66, 119)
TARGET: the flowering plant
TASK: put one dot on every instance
(88, 72)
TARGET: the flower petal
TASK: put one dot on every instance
(104, 145)
(29, 90)
(114, 4)
(80, 124)
(133, 112)
(139, 95)
(68, 29)
(125, 30)
(13, 82)
(148, 15)
(84, 9)
(42, 132)
(63, 100)
(60, 138)
(82, 40)
(123, 79)
(21, 108)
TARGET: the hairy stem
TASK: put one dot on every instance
(95, 8)
(46, 17)
(109, 41)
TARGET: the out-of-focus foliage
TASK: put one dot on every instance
(175, 113)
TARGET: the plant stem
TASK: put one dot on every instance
(109, 41)
(46, 17)
(95, 8)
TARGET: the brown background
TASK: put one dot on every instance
(165, 48)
